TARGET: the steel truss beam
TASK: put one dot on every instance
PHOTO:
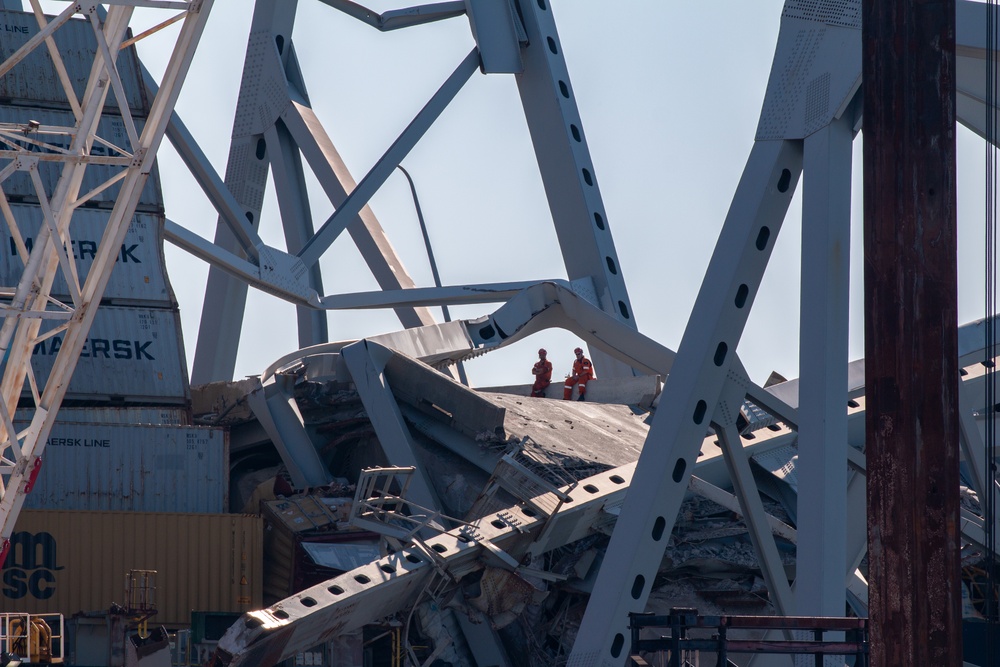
(30, 303)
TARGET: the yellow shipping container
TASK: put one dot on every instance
(72, 561)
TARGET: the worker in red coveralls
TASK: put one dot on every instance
(583, 372)
(542, 370)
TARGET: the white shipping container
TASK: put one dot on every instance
(132, 355)
(133, 468)
(34, 79)
(19, 187)
(139, 277)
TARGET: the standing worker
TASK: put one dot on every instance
(583, 372)
(542, 370)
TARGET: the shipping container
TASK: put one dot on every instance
(139, 277)
(308, 540)
(132, 355)
(34, 79)
(70, 562)
(133, 468)
(132, 415)
(19, 187)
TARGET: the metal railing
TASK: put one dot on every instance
(37, 638)
(680, 646)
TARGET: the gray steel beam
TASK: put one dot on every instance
(689, 397)
(823, 358)
(399, 18)
(275, 408)
(296, 220)
(366, 232)
(568, 174)
(358, 198)
(366, 362)
(246, 177)
(750, 503)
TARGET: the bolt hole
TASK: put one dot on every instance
(552, 45)
(497, 523)
(361, 579)
(784, 180)
(699, 412)
(387, 568)
(308, 602)
(611, 266)
(742, 292)
(440, 548)
(658, 526)
(336, 590)
(637, 586)
(413, 559)
(617, 644)
(575, 131)
(720, 354)
(281, 613)
(679, 468)
(617, 479)
(590, 488)
(599, 221)
(762, 236)
(564, 89)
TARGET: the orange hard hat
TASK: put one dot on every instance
(578, 351)
(542, 352)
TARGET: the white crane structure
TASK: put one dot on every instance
(810, 117)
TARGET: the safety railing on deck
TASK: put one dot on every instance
(798, 635)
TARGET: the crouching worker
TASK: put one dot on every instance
(583, 372)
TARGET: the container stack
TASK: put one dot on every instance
(127, 482)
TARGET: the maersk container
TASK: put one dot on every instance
(133, 468)
(139, 277)
(105, 415)
(70, 562)
(34, 79)
(19, 186)
(132, 355)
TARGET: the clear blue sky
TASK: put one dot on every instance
(669, 94)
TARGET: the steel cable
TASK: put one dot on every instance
(990, 473)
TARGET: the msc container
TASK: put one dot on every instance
(19, 186)
(70, 562)
(34, 79)
(133, 468)
(139, 277)
(132, 355)
(158, 416)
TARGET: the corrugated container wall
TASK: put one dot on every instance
(105, 415)
(68, 562)
(133, 468)
(133, 355)
(139, 276)
(34, 80)
(19, 187)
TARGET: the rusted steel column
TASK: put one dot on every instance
(911, 366)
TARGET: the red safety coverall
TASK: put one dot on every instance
(542, 370)
(583, 372)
